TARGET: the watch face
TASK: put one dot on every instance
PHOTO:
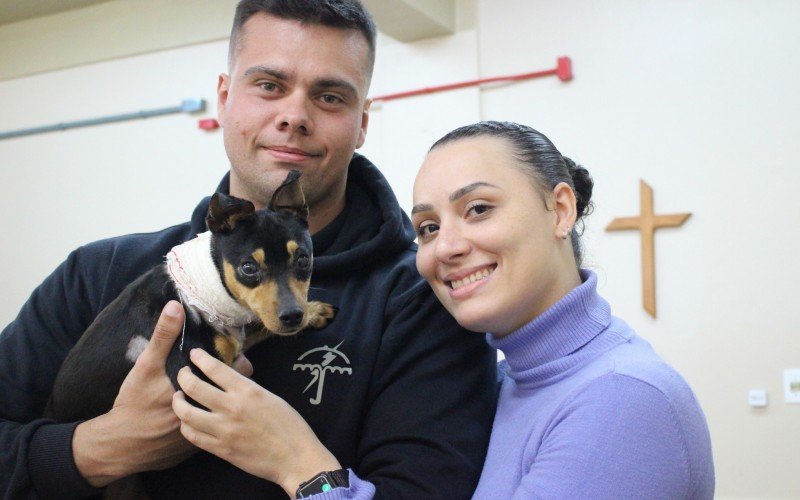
(319, 484)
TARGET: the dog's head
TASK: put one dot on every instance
(265, 256)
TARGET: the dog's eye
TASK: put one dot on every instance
(249, 269)
(303, 262)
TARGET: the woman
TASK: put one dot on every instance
(586, 408)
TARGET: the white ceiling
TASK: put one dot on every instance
(18, 10)
(405, 20)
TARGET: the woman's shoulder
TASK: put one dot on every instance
(635, 388)
(636, 360)
(642, 427)
(649, 404)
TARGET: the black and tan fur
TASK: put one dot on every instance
(274, 242)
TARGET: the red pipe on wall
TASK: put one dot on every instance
(563, 71)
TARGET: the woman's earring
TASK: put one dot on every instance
(566, 233)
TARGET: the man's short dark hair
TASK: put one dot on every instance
(343, 14)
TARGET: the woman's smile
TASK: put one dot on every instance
(463, 284)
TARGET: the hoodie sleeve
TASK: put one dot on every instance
(36, 454)
(434, 391)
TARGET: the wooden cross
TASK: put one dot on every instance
(647, 222)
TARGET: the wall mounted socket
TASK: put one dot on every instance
(791, 385)
(757, 398)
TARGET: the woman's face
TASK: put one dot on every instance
(490, 243)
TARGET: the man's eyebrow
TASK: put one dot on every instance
(458, 193)
(322, 83)
(336, 83)
(266, 70)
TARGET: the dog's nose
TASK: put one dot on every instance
(291, 317)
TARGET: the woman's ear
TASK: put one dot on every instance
(565, 208)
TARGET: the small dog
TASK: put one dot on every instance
(244, 279)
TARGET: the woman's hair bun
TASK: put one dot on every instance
(583, 187)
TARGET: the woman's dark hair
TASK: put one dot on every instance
(540, 159)
(343, 14)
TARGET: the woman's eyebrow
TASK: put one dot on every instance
(422, 207)
(458, 193)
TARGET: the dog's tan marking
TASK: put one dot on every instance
(262, 300)
(291, 247)
(299, 289)
(227, 348)
(260, 257)
(233, 284)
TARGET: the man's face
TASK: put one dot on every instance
(295, 99)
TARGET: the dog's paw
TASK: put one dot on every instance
(320, 314)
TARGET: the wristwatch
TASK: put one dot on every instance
(322, 482)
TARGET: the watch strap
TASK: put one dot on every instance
(341, 477)
(324, 481)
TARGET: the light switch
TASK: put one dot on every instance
(791, 385)
(757, 398)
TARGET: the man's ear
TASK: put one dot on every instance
(225, 211)
(362, 134)
(289, 197)
(565, 208)
(223, 84)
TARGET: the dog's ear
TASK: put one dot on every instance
(289, 197)
(225, 211)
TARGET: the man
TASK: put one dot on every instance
(410, 406)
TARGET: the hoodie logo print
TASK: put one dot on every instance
(319, 361)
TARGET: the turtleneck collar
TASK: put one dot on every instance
(562, 330)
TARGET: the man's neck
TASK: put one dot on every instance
(320, 213)
(320, 216)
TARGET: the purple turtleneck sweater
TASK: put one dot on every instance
(587, 409)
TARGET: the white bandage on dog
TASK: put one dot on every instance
(198, 281)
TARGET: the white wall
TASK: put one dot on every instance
(401, 131)
(697, 98)
(63, 189)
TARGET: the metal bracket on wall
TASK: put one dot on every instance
(187, 106)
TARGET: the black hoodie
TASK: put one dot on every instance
(392, 387)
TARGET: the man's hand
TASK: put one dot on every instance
(141, 432)
(248, 426)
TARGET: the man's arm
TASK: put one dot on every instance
(141, 432)
(37, 454)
